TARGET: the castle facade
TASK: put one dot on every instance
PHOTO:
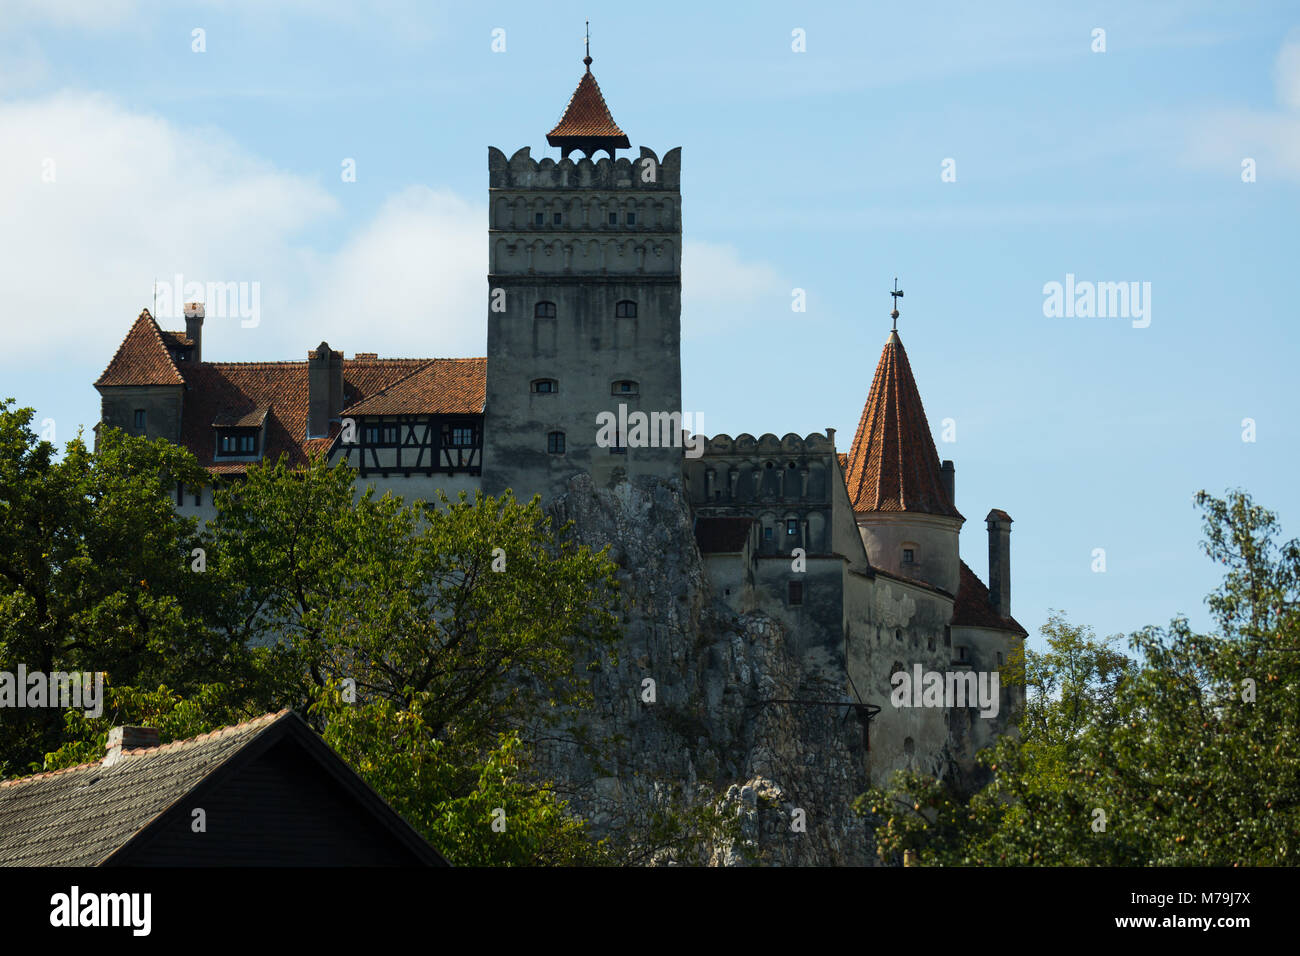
(855, 553)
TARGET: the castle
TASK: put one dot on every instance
(854, 554)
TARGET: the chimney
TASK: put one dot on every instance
(129, 738)
(999, 523)
(948, 474)
(194, 329)
(324, 389)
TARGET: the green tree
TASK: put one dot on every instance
(95, 572)
(479, 613)
(1189, 754)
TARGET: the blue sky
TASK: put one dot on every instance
(818, 170)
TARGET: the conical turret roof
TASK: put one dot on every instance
(893, 465)
(587, 124)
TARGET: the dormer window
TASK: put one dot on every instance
(545, 386)
(237, 442)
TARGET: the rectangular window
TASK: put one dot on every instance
(908, 555)
(792, 526)
(140, 419)
(613, 219)
(767, 534)
(539, 219)
(961, 653)
(555, 443)
(462, 437)
(631, 219)
(796, 593)
(391, 433)
(236, 443)
(557, 218)
(370, 434)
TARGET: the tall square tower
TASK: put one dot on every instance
(584, 308)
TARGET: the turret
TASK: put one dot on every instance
(901, 494)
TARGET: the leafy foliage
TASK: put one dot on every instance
(1187, 755)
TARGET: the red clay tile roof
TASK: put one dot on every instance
(893, 465)
(443, 387)
(844, 461)
(722, 534)
(175, 339)
(237, 392)
(972, 608)
(587, 120)
(142, 358)
(252, 419)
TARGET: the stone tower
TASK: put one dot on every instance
(584, 308)
(902, 496)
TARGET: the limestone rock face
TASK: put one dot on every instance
(712, 731)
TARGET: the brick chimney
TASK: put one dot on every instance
(999, 523)
(194, 329)
(129, 738)
(948, 475)
(324, 389)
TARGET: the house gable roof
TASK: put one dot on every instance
(142, 358)
(92, 814)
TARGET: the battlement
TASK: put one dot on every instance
(769, 445)
(647, 172)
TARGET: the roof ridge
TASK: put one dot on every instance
(268, 718)
(156, 339)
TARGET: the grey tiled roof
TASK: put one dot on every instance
(81, 815)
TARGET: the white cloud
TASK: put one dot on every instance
(86, 14)
(1222, 139)
(135, 198)
(714, 274)
(1286, 72)
(411, 283)
(131, 199)
(22, 64)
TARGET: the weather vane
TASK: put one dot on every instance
(897, 294)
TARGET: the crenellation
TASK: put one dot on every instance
(646, 172)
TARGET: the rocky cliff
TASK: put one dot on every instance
(707, 729)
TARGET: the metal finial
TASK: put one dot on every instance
(587, 59)
(897, 294)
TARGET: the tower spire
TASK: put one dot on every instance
(897, 294)
(587, 59)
